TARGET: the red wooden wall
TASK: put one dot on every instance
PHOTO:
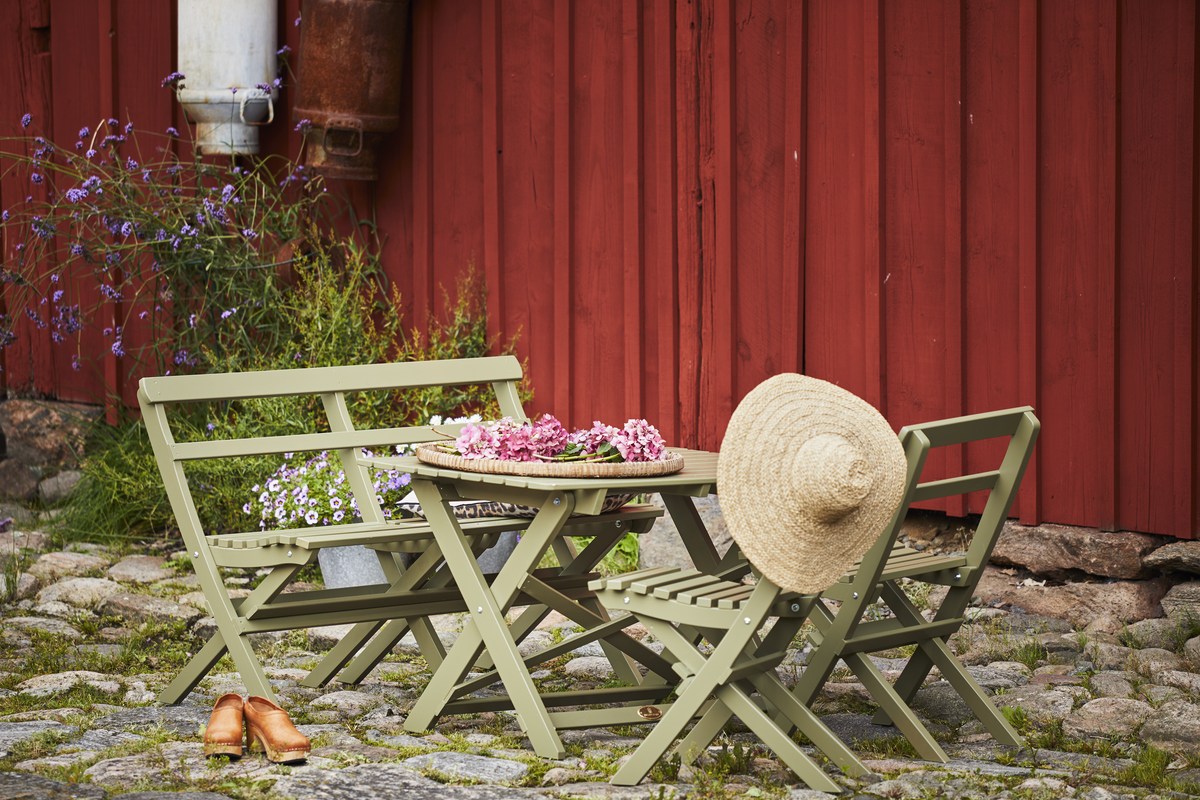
(945, 207)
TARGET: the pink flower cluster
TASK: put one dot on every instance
(639, 441)
(509, 440)
(546, 438)
(591, 438)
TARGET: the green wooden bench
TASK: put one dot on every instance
(382, 613)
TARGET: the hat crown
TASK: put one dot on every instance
(831, 477)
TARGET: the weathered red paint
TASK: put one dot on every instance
(945, 207)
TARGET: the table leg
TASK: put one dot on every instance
(488, 626)
(692, 531)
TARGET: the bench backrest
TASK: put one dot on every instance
(157, 396)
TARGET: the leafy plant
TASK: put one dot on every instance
(121, 232)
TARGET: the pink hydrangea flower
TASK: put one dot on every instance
(591, 439)
(639, 441)
(549, 436)
(477, 441)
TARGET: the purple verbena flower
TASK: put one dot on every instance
(118, 349)
(85, 132)
(26, 120)
(173, 131)
(173, 80)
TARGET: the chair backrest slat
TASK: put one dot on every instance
(316, 380)
(949, 487)
(973, 427)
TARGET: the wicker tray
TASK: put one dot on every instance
(432, 454)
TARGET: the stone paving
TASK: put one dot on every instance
(87, 638)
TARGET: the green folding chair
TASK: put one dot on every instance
(675, 606)
(853, 629)
(808, 475)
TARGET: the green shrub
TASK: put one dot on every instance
(335, 312)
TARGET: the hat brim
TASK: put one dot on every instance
(771, 524)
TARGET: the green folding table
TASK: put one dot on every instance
(490, 639)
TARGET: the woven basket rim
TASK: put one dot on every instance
(432, 454)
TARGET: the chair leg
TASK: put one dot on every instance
(711, 676)
(936, 651)
(690, 700)
(226, 639)
(364, 657)
(802, 717)
(779, 638)
(195, 670)
(971, 692)
(777, 738)
(896, 709)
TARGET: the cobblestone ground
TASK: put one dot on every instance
(86, 639)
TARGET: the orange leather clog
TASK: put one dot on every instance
(270, 729)
(223, 734)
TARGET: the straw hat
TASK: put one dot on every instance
(809, 475)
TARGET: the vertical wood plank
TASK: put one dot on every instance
(493, 147)
(874, 272)
(1187, 320)
(662, 263)
(423, 123)
(1028, 265)
(1154, 286)
(564, 223)
(631, 204)
(954, 261)
(1107, 168)
(691, 138)
(795, 157)
(28, 89)
(718, 368)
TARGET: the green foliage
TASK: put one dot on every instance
(1149, 768)
(178, 245)
(222, 267)
(335, 311)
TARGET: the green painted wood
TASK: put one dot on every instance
(315, 380)
(842, 633)
(734, 659)
(403, 600)
(487, 625)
